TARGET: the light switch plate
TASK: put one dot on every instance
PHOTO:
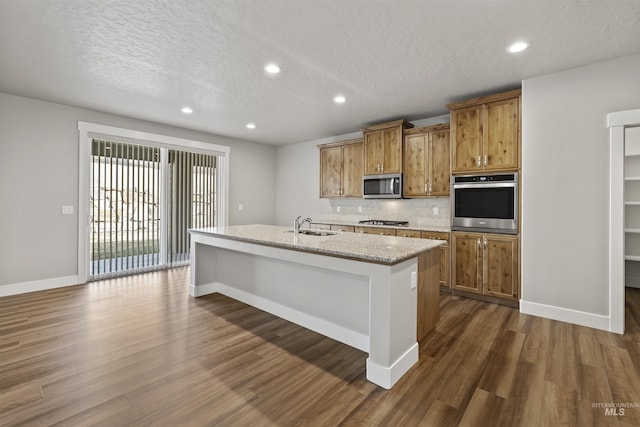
(67, 210)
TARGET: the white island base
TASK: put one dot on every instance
(370, 306)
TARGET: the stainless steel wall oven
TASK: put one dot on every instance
(485, 203)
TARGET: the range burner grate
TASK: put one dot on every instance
(383, 222)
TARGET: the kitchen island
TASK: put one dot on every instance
(379, 294)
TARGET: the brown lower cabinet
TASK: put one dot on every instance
(486, 264)
(335, 227)
(444, 252)
(408, 233)
(429, 272)
(383, 231)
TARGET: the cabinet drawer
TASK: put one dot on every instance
(317, 226)
(439, 235)
(408, 233)
(349, 228)
(376, 230)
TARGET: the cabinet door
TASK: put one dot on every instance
(501, 135)
(439, 164)
(373, 152)
(352, 165)
(392, 150)
(466, 260)
(330, 171)
(466, 139)
(444, 266)
(501, 266)
(415, 164)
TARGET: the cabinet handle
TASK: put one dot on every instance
(478, 162)
(381, 167)
(486, 160)
(479, 244)
(430, 188)
(484, 241)
(425, 188)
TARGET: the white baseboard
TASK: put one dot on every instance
(387, 376)
(324, 327)
(201, 290)
(576, 317)
(37, 285)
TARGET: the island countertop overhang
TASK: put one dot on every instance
(387, 250)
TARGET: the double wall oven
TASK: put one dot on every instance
(485, 203)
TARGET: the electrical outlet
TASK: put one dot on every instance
(338, 209)
(436, 211)
(67, 210)
(359, 209)
(414, 279)
(240, 207)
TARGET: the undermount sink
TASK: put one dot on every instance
(310, 232)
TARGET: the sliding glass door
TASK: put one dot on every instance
(191, 200)
(143, 200)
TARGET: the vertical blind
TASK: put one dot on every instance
(192, 200)
(129, 207)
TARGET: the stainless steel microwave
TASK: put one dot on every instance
(384, 186)
(485, 203)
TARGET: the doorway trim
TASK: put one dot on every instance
(617, 122)
(87, 131)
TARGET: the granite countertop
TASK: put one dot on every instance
(388, 250)
(442, 229)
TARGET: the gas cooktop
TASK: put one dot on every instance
(383, 222)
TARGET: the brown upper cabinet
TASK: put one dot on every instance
(341, 169)
(485, 133)
(426, 161)
(383, 147)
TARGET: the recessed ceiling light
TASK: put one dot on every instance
(186, 110)
(251, 126)
(339, 99)
(272, 68)
(517, 47)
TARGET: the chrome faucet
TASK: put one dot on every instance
(298, 223)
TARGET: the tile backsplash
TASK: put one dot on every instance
(435, 211)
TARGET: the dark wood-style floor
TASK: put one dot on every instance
(140, 351)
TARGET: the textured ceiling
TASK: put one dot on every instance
(391, 59)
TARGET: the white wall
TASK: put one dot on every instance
(565, 193)
(298, 182)
(39, 174)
